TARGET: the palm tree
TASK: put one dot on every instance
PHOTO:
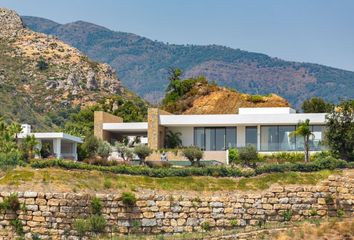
(173, 139)
(15, 129)
(29, 145)
(304, 130)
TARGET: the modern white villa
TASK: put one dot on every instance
(268, 129)
(61, 145)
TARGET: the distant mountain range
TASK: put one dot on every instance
(142, 64)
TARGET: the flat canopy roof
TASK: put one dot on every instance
(53, 135)
(131, 127)
(241, 119)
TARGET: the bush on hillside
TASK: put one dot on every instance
(128, 198)
(142, 151)
(10, 160)
(158, 164)
(248, 156)
(216, 171)
(283, 157)
(193, 154)
(103, 149)
(234, 157)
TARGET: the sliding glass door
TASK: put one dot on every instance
(251, 136)
(215, 138)
(280, 138)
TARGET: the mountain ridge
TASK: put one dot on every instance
(140, 60)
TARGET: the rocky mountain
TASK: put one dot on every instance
(143, 64)
(203, 97)
(41, 76)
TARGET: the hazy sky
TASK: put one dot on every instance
(319, 31)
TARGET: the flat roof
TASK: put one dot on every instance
(241, 119)
(132, 127)
(53, 135)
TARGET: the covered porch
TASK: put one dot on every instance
(58, 145)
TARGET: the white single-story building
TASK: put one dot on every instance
(61, 145)
(268, 129)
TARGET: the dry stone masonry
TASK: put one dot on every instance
(52, 214)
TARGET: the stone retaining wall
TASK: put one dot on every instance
(52, 214)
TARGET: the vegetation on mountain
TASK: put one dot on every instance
(140, 60)
(198, 96)
(43, 80)
(316, 105)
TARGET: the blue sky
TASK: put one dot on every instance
(318, 31)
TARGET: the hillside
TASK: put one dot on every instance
(206, 98)
(42, 77)
(140, 60)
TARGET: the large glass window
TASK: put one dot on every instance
(199, 138)
(230, 137)
(286, 138)
(219, 139)
(209, 139)
(316, 143)
(251, 136)
(215, 138)
(280, 138)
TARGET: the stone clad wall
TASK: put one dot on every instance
(52, 214)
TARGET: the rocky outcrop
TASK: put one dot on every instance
(52, 69)
(10, 23)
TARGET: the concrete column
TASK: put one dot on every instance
(74, 150)
(258, 138)
(241, 136)
(57, 147)
(39, 147)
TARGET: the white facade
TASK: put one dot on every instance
(62, 145)
(268, 129)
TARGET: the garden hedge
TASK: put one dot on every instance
(216, 171)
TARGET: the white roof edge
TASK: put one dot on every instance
(61, 135)
(126, 125)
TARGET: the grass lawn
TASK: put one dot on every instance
(54, 179)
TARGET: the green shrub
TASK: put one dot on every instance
(287, 215)
(10, 203)
(255, 98)
(18, 226)
(97, 223)
(81, 226)
(42, 64)
(10, 160)
(340, 213)
(96, 205)
(205, 226)
(283, 157)
(142, 151)
(158, 164)
(107, 183)
(313, 212)
(320, 155)
(234, 223)
(128, 198)
(193, 154)
(89, 147)
(234, 157)
(103, 149)
(136, 225)
(248, 156)
(217, 171)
